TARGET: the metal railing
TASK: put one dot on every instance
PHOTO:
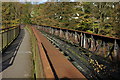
(108, 47)
(7, 36)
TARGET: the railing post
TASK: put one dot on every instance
(76, 37)
(116, 49)
(81, 40)
(66, 34)
(84, 42)
(104, 48)
(52, 30)
(55, 31)
(61, 33)
(92, 43)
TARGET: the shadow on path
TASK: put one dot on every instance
(10, 53)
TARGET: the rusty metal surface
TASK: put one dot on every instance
(46, 66)
(63, 68)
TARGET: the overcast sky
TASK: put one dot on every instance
(41, 1)
(33, 0)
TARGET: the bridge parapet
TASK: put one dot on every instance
(107, 47)
(7, 36)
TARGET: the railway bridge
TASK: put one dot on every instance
(45, 52)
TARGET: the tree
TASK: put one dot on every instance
(95, 17)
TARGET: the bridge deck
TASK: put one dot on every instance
(20, 58)
(17, 59)
(61, 67)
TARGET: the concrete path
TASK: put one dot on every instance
(22, 66)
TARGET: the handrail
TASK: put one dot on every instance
(83, 32)
(8, 28)
(105, 46)
(7, 36)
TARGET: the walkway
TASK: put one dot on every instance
(17, 61)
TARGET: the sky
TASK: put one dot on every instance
(39, 1)
(42, 1)
(32, 1)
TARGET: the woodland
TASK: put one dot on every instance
(101, 18)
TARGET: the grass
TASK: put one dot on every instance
(38, 71)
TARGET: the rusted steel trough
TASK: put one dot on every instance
(55, 65)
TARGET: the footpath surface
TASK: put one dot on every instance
(22, 65)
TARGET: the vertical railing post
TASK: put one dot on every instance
(55, 31)
(84, 42)
(52, 30)
(92, 43)
(60, 33)
(66, 34)
(76, 37)
(104, 48)
(116, 47)
(81, 39)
